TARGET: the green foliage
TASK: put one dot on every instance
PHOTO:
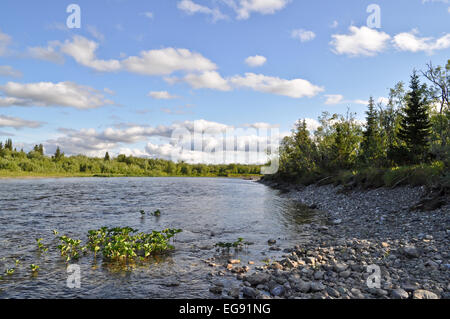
(415, 126)
(34, 163)
(395, 146)
(237, 245)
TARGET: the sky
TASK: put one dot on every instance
(124, 76)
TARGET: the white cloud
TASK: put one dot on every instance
(66, 94)
(303, 35)
(17, 123)
(333, 99)
(206, 80)
(48, 53)
(244, 8)
(409, 41)
(5, 40)
(148, 14)
(177, 142)
(191, 8)
(83, 51)
(296, 88)
(255, 61)
(335, 24)
(361, 41)
(95, 32)
(6, 70)
(166, 61)
(161, 95)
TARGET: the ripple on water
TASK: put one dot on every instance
(208, 210)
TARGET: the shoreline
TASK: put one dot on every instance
(372, 228)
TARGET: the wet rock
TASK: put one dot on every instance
(234, 261)
(248, 292)
(317, 286)
(411, 252)
(258, 278)
(399, 294)
(271, 241)
(277, 291)
(303, 286)
(216, 290)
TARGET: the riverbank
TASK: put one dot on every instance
(376, 228)
(27, 175)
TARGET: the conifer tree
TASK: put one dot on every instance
(415, 126)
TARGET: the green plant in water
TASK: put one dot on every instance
(55, 232)
(10, 271)
(237, 245)
(156, 213)
(124, 243)
(34, 268)
(41, 246)
(70, 248)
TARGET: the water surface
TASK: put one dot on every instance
(208, 210)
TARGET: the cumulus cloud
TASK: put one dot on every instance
(17, 123)
(206, 80)
(198, 141)
(409, 41)
(66, 94)
(5, 40)
(245, 8)
(361, 41)
(295, 88)
(166, 61)
(6, 70)
(48, 53)
(162, 95)
(191, 8)
(303, 35)
(333, 99)
(83, 51)
(255, 61)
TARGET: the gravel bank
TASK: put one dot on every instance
(366, 231)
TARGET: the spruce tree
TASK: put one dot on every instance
(107, 158)
(415, 126)
(371, 144)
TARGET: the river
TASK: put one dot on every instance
(209, 210)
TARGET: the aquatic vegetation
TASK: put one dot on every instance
(237, 245)
(55, 232)
(70, 248)
(10, 271)
(142, 212)
(41, 246)
(34, 268)
(124, 243)
(156, 213)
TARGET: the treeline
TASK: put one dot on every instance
(20, 163)
(406, 141)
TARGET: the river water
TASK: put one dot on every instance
(209, 210)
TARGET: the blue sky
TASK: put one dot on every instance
(105, 86)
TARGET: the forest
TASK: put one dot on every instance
(404, 141)
(35, 163)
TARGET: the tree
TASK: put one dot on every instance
(8, 145)
(371, 146)
(39, 149)
(107, 158)
(58, 155)
(415, 126)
